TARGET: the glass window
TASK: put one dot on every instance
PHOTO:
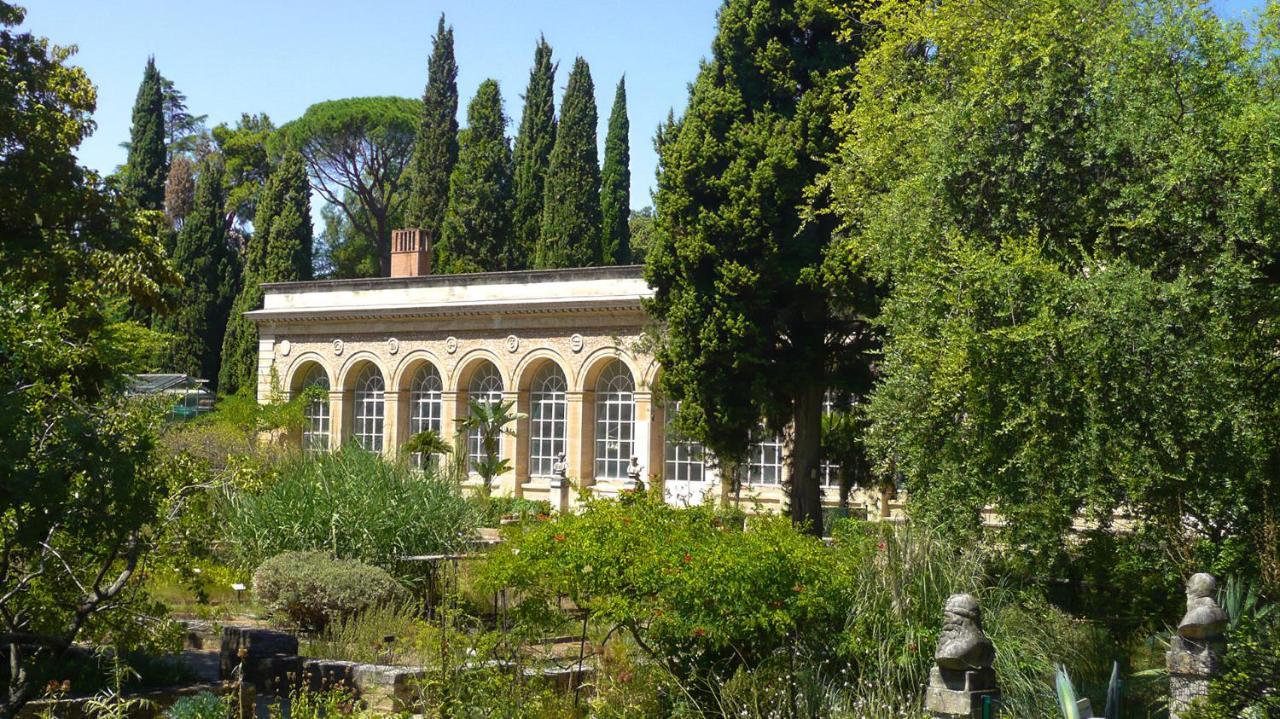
(764, 457)
(615, 425)
(685, 458)
(547, 408)
(315, 425)
(369, 408)
(485, 387)
(426, 403)
(829, 472)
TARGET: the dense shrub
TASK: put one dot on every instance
(311, 589)
(700, 598)
(351, 504)
(205, 705)
(495, 509)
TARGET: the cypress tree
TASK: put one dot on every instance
(571, 205)
(477, 225)
(147, 166)
(615, 184)
(210, 271)
(435, 149)
(279, 251)
(534, 140)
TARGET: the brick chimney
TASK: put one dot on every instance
(410, 253)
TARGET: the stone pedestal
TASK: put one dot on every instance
(952, 694)
(1192, 664)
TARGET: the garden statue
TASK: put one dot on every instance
(962, 678)
(1195, 651)
(559, 471)
(634, 474)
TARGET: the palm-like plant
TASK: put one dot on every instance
(426, 444)
(490, 421)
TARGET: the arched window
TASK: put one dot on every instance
(315, 425)
(547, 407)
(425, 404)
(485, 387)
(369, 408)
(764, 457)
(615, 426)
(685, 458)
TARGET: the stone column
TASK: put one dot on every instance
(644, 448)
(1196, 650)
(508, 449)
(395, 422)
(521, 442)
(339, 422)
(962, 678)
(448, 416)
(579, 436)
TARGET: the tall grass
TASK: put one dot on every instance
(381, 634)
(352, 504)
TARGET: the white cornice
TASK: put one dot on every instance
(614, 304)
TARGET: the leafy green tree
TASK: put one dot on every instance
(640, 226)
(341, 251)
(615, 184)
(279, 251)
(356, 152)
(211, 272)
(435, 149)
(490, 421)
(247, 166)
(532, 156)
(82, 490)
(477, 226)
(147, 166)
(184, 133)
(749, 328)
(571, 204)
(1075, 215)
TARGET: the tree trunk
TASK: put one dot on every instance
(806, 450)
(383, 241)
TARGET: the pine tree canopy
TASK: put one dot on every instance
(435, 149)
(534, 141)
(571, 203)
(477, 225)
(147, 165)
(288, 245)
(615, 184)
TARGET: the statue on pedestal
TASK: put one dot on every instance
(559, 471)
(1196, 651)
(635, 474)
(962, 675)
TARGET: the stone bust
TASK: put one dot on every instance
(962, 645)
(1204, 618)
(559, 470)
(634, 472)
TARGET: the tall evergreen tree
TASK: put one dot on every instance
(477, 225)
(278, 251)
(571, 205)
(147, 166)
(210, 270)
(735, 263)
(615, 184)
(435, 149)
(534, 141)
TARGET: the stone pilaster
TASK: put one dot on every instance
(395, 422)
(339, 418)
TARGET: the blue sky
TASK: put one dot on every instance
(279, 56)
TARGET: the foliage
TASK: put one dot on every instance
(184, 134)
(489, 421)
(312, 589)
(532, 157)
(477, 223)
(640, 228)
(363, 636)
(571, 203)
(279, 251)
(615, 184)
(495, 509)
(342, 252)
(356, 151)
(699, 598)
(352, 504)
(1246, 686)
(1075, 213)
(749, 331)
(426, 445)
(244, 152)
(205, 705)
(82, 489)
(147, 165)
(211, 270)
(435, 146)
(179, 190)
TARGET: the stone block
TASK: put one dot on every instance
(244, 645)
(388, 688)
(952, 694)
(325, 674)
(1192, 658)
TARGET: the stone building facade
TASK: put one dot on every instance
(399, 355)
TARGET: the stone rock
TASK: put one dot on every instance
(247, 646)
(962, 645)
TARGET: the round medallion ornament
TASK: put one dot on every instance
(338, 346)
(393, 345)
(450, 344)
(513, 343)
(285, 348)
(575, 342)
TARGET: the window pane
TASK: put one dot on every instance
(615, 414)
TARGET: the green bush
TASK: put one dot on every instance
(312, 589)
(351, 504)
(205, 705)
(495, 509)
(699, 597)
